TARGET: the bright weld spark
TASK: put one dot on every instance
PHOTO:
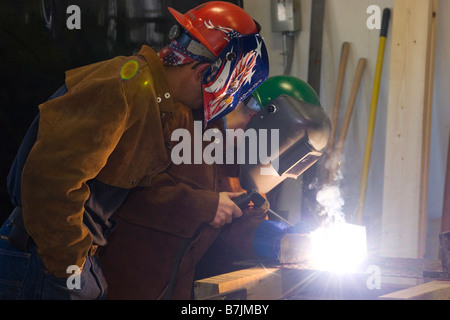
(337, 246)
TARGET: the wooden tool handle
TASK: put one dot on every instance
(338, 95)
(345, 125)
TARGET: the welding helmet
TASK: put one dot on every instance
(237, 53)
(289, 109)
(278, 85)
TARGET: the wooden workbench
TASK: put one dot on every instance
(265, 280)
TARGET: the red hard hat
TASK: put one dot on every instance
(213, 23)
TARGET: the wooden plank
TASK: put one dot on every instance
(305, 281)
(435, 290)
(405, 191)
(280, 283)
(261, 284)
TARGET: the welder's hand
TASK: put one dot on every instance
(227, 210)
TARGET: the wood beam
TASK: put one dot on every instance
(261, 284)
(406, 168)
(445, 224)
(435, 290)
(267, 281)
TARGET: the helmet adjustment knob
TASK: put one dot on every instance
(231, 56)
(174, 32)
(272, 108)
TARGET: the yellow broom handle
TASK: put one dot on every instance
(372, 116)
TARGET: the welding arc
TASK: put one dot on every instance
(372, 115)
(350, 106)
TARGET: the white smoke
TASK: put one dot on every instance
(329, 197)
(329, 194)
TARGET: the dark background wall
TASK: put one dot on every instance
(36, 48)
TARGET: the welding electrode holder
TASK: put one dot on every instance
(253, 196)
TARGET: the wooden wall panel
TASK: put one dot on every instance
(406, 168)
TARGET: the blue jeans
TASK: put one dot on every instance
(23, 276)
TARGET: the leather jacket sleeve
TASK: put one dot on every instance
(77, 133)
(170, 206)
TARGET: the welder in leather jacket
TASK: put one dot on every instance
(149, 260)
(107, 131)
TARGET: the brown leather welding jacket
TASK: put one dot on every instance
(140, 255)
(112, 126)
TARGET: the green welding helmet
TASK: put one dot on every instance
(289, 114)
(275, 86)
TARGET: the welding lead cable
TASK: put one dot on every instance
(372, 116)
(184, 246)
